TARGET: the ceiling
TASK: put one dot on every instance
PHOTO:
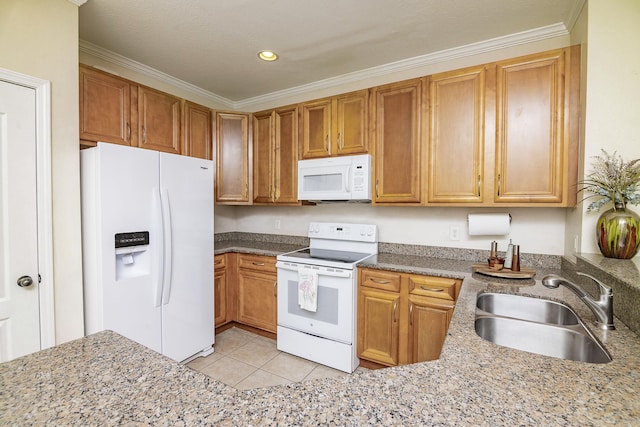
(213, 44)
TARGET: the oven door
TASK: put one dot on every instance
(334, 318)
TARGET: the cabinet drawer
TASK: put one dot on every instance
(434, 287)
(219, 261)
(386, 281)
(257, 262)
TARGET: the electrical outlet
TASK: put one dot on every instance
(277, 224)
(454, 233)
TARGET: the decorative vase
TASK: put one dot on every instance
(618, 232)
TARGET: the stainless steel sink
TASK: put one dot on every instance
(536, 326)
(525, 308)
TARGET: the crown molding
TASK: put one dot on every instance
(524, 37)
(574, 14)
(497, 43)
(130, 64)
(77, 2)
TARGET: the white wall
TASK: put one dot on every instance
(613, 90)
(40, 38)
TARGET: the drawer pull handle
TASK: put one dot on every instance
(381, 282)
(431, 289)
(260, 264)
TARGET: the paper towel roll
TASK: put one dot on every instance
(492, 224)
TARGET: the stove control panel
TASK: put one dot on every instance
(343, 231)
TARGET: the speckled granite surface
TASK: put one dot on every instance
(106, 379)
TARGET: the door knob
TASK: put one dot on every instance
(25, 281)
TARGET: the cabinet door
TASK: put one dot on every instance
(456, 136)
(351, 123)
(257, 299)
(316, 129)
(398, 142)
(286, 156)
(232, 159)
(530, 129)
(428, 324)
(160, 115)
(263, 157)
(196, 135)
(378, 326)
(220, 290)
(106, 107)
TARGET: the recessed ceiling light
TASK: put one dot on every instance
(267, 55)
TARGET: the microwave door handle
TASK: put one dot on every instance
(348, 183)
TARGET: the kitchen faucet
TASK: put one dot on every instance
(602, 309)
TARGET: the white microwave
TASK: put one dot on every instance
(345, 178)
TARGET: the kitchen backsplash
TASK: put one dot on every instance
(550, 262)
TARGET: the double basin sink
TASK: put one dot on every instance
(537, 326)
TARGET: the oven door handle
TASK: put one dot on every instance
(320, 272)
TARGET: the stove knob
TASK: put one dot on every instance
(363, 231)
(370, 231)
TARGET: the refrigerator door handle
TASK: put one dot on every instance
(158, 246)
(166, 232)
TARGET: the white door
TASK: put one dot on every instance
(19, 296)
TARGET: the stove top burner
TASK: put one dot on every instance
(311, 255)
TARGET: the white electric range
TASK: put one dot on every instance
(328, 334)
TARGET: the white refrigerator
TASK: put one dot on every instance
(147, 232)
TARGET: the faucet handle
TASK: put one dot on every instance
(604, 289)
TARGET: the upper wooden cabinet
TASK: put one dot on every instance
(232, 159)
(335, 126)
(536, 128)
(396, 129)
(275, 156)
(506, 133)
(108, 109)
(351, 119)
(315, 129)
(456, 136)
(159, 120)
(196, 131)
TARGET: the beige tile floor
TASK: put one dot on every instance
(245, 360)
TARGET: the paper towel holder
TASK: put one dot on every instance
(510, 218)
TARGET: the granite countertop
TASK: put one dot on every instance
(106, 379)
(255, 247)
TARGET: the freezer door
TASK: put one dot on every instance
(120, 288)
(187, 312)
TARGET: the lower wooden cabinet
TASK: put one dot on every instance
(403, 318)
(378, 326)
(428, 324)
(257, 291)
(220, 296)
